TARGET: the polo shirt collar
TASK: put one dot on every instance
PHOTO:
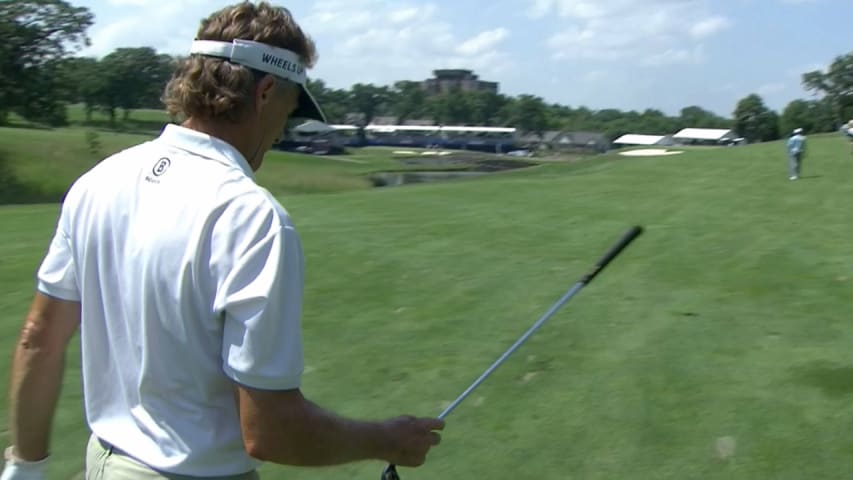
(206, 146)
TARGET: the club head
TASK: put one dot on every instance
(390, 473)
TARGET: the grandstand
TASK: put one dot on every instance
(486, 139)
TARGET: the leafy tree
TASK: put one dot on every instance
(456, 107)
(408, 100)
(811, 115)
(133, 78)
(655, 122)
(754, 121)
(697, 117)
(34, 36)
(368, 100)
(797, 114)
(82, 82)
(486, 108)
(836, 84)
(529, 114)
(335, 103)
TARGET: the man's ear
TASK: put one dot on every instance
(264, 91)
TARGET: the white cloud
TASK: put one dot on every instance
(168, 27)
(674, 56)
(709, 26)
(135, 3)
(646, 32)
(109, 36)
(179, 4)
(771, 88)
(482, 42)
(594, 76)
(337, 16)
(808, 67)
(404, 15)
(377, 41)
(411, 41)
(568, 8)
(540, 8)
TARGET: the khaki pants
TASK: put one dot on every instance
(105, 464)
(795, 163)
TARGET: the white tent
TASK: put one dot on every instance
(313, 126)
(712, 134)
(637, 139)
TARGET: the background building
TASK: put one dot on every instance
(445, 81)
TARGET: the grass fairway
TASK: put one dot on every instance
(43, 163)
(727, 318)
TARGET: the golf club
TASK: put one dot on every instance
(390, 472)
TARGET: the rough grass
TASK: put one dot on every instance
(715, 347)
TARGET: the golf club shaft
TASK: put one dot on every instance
(585, 280)
(571, 293)
(390, 472)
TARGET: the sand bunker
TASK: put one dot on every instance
(650, 152)
(426, 153)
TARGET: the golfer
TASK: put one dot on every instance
(796, 151)
(185, 279)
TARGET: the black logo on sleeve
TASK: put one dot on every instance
(158, 169)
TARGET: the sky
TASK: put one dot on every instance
(624, 54)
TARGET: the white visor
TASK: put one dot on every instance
(265, 58)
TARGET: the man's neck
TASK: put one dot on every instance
(231, 133)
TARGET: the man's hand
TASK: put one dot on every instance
(410, 439)
(17, 469)
(286, 428)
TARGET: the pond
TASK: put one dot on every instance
(396, 179)
(474, 169)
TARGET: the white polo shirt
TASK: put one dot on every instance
(189, 275)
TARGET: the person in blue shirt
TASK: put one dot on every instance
(796, 151)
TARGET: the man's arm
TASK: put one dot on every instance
(284, 427)
(37, 368)
(259, 296)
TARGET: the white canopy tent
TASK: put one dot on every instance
(708, 134)
(313, 127)
(648, 140)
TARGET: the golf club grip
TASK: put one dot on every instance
(626, 240)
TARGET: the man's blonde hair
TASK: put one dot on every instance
(216, 89)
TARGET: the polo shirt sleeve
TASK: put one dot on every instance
(57, 275)
(260, 299)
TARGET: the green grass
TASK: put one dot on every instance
(77, 115)
(44, 162)
(140, 121)
(728, 317)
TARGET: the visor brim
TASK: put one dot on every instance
(308, 107)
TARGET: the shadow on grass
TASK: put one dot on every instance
(15, 192)
(132, 126)
(832, 379)
(25, 126)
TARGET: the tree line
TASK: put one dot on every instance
(40, 74)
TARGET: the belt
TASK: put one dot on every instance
(112, 449)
